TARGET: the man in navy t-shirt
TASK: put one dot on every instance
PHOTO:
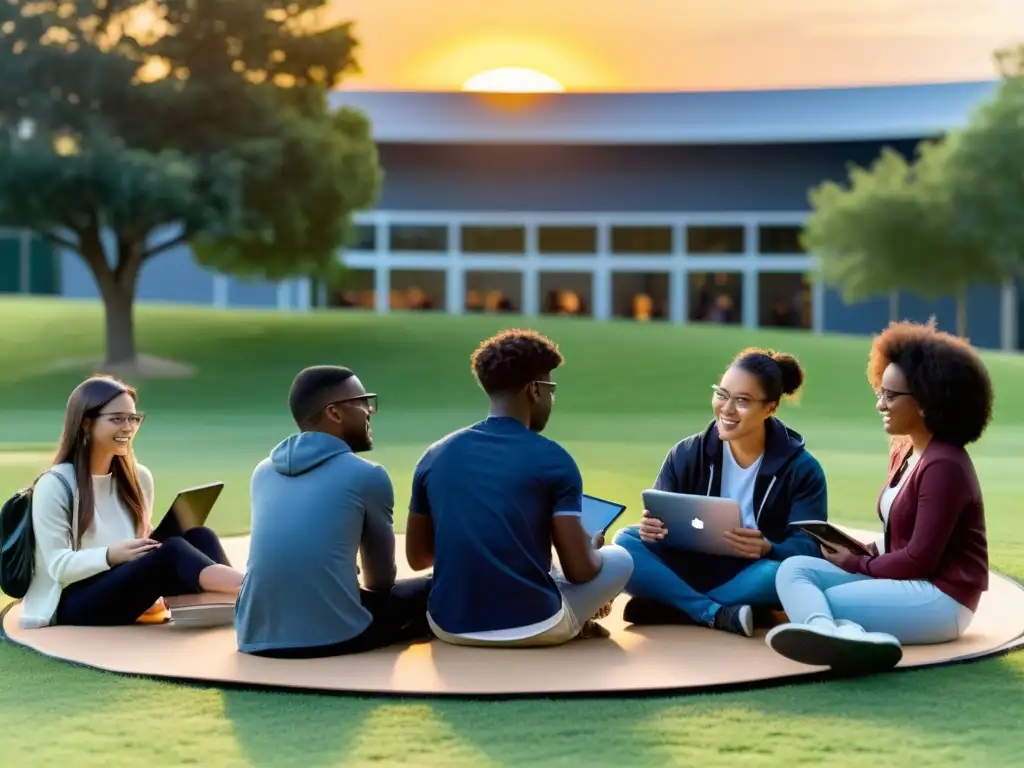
(490, 500)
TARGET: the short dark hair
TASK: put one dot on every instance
(510, 360)
(311, 388)
(945, 375)
(779, 374)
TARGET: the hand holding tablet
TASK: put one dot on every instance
(831, 537)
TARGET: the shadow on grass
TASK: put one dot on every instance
(930, 717)
(285, 729)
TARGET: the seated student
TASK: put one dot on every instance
(488, 501)
(108, 572)
(316, 504)
(923, 580)
(748, 455)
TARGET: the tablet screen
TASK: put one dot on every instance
(599, 514)
(190, 509)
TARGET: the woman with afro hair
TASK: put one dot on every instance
(922, 581)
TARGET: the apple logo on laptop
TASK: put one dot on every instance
(697, 523)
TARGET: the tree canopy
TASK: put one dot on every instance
(132, 127)
(936, 224)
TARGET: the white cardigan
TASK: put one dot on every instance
(57, 564)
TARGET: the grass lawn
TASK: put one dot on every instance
(626, 394)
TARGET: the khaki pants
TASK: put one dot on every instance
(580, 603)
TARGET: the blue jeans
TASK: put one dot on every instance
(654, 580)
(914, 612)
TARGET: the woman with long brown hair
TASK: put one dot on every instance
(106, 570)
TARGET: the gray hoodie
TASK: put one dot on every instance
(315, 506)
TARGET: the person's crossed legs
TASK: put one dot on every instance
(580, 602)
(398, 616)
(179, 566)
(661, 596)
(855, 623)
(586, 601)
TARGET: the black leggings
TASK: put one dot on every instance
(122, 594)
(399, 616)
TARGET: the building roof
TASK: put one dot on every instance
(709, 117)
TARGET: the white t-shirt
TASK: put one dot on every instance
(57, 564)
(889, 494)
(738, 484)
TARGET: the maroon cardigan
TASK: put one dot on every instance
(936, 526)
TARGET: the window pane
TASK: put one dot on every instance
(409, 237)
(716, 297)
(567, 239)
(417, 289)
(654, 240)
(484, 239)
(781, 240)
(714, 240)
(494, 291)
(784, 300)
(640, 295)
(566, 293)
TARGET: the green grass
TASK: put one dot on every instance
(626, 394)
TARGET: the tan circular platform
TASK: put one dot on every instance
(632, 660)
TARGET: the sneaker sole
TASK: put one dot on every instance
(853, 657)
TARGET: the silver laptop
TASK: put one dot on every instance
(695, 523)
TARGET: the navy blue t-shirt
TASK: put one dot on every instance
(492, 489)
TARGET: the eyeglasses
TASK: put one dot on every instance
(742, 402)
(552, 386)
(369, 401)
(889, 395)
(120, 419)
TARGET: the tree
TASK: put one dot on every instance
(937, 225)
(132, 127)
(982, 173)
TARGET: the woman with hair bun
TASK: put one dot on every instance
(746, 454)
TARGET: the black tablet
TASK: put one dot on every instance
(190, 509)
(599, 514)
(830, 536)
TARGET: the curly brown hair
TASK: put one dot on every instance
(508, 361)
(945, 374)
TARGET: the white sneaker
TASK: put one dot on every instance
(845, 647)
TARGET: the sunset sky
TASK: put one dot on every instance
(680, 44)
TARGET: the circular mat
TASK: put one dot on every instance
(661, 659)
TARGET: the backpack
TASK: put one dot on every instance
(18, 541)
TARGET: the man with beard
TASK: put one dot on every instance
(490, 500)
(316, 504)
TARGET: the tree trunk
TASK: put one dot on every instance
(119, 308)
(117, 290)
(961, 314)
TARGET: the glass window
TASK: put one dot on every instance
(779, 240)
(560, 239)
(708, 241)
(485, 239)
(652, 240)
(411, 237)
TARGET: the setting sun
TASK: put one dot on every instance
(512, 80)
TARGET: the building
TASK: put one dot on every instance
(666, 207)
